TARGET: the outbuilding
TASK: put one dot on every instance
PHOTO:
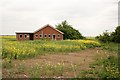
(46, 32)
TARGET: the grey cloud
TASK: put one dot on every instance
(90, 17)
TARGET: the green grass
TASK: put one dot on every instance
(90, 37)
(105, 66)
(110, 46)
(7, 64)
(36, 71)
(12, 49)
(110, 68)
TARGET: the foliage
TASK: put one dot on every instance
(109, 67)
(38, 70)
(105, 37)
(7, 64)
(116, 35)
(106, 63)
(69, 31)
(110, 46)
(24, 49)
(47, 69)
(110, 37)
(105, 66)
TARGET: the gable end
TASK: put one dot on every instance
(50, 27)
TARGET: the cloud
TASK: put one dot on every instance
(90, 17)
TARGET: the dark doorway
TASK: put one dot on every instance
(31, 36)
(53, 37)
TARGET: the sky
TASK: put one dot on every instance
(90, 17)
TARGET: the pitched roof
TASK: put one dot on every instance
(49, 26)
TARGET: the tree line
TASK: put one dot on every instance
(71, 33)
(110, 36)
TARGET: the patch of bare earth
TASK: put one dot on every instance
(82, 59)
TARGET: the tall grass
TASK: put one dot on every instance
(21, 49)
(107, 62)
(110, 46)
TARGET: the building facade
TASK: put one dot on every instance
(46, 32)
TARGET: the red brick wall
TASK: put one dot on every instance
(48, 30)
(23, 36)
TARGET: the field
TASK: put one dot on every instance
(12, 49)
(59, 59)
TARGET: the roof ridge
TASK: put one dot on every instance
(49, 26)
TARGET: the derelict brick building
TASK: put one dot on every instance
(47, 32)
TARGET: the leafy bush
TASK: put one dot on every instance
(115, 36)
(105, 37)
(110, 37)
(69, 31)
(110, 46)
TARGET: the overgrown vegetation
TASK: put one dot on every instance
(109, 65)
(106, 64)
(106, 67)
(69, 31)
(38, 70)
(110, 37)
(24, 49)
(111, 46)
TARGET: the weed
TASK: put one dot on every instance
(7, 64)
(28, 49)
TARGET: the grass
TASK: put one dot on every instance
(7, 65)
(105, 64)
(36, 71)
(27, 49)
(110, 68)
(110, 46)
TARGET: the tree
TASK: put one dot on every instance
(105, 37)
(69, 31)
(110, 37)
(116, 35)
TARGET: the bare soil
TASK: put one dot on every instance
(82, 59)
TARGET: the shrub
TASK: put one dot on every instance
(110, 37)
